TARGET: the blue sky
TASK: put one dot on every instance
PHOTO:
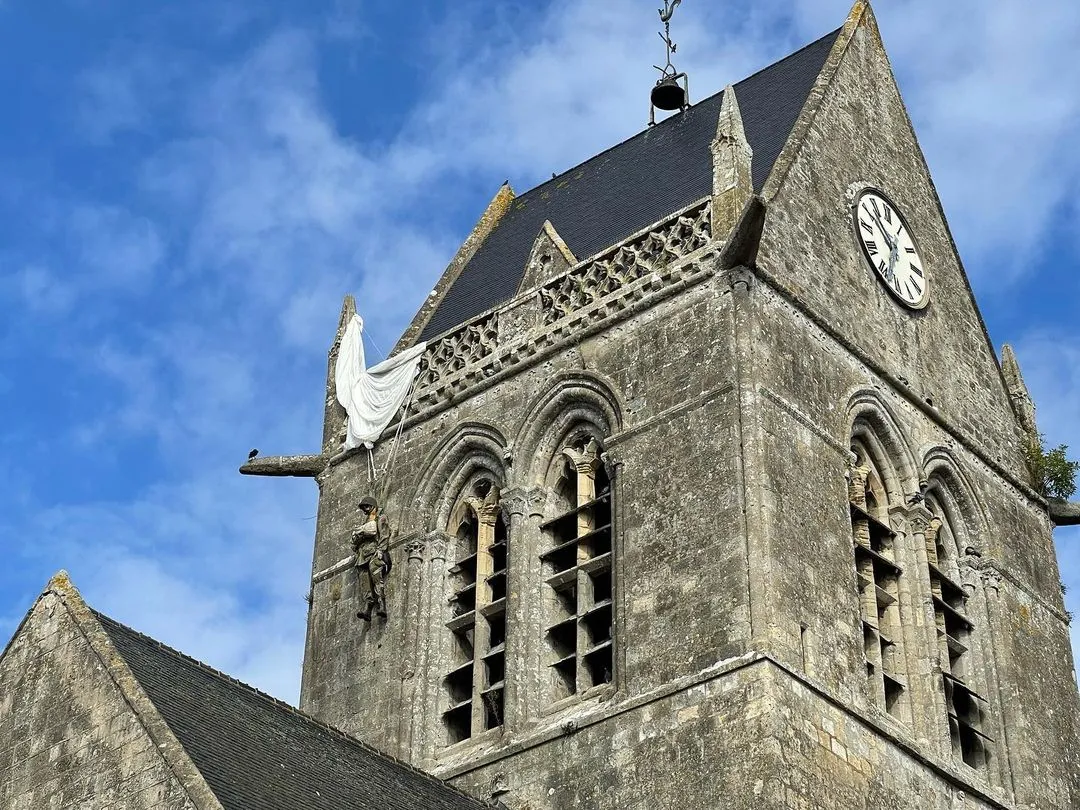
(189, 189)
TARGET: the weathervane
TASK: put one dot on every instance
(668, 94)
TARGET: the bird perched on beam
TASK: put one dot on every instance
(252, 454)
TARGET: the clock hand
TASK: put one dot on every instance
(881, 226)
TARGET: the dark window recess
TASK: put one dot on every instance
(497, 634)
(578, 571)
(493, 708)
(475, 686)
(460, 683)
(601, 585)
(496, 669)
(458, 720)
(966, 710)
(877, 576)
(497, 583)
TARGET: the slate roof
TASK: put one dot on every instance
(257, 753)
(632, 185)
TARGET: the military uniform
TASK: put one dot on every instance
(370, 543)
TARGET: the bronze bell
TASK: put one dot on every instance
(668, 94)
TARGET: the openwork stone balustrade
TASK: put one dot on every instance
(615, 279)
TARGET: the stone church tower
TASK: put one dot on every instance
(712, 491)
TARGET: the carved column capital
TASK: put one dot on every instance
(902, 522)
(416, 548)
(521, 501)
(437, 544)
(486, 508)
(919, 518)
(990, 578)
(739, 279)
(585, 461)
(613, 462)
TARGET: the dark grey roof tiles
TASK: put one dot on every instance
(257, 753)
(632, 185)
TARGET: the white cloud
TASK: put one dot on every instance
(41, 291)
(115, 248)
(214, 567)
(258, 214)
(991, 89)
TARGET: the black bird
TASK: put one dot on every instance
(252, 454)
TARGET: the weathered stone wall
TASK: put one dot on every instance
(830, 340)
(727, 411)
(67, 738)
(831, 757)
(744, 735)
(683, 592)
(710, 743)
(862, 135)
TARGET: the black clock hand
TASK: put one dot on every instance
(881, 226)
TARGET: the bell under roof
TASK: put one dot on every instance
(632, 185)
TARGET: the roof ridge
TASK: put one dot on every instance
(667, 121)
(277, 703)
(794, 53)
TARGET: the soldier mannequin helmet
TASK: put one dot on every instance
(368, 504)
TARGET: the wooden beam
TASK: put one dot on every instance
(286, 466)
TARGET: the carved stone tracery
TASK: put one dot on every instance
(644, 257)
(454, 352)
(415, 548)
(596, 280)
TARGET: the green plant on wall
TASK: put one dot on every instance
(1052, 472)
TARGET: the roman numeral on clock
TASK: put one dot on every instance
(896, 260)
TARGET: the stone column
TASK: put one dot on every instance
(586, 463)
(739, 282)
(412, 618)
(524, 625)
(613, 465)
(487, 513)
(1003, 715)
(924, 650)
(428, 733)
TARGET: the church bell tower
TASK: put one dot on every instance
(711, 491)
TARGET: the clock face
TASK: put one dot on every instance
(889, 246)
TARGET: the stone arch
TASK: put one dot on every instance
(872, 423)
(963, 652)
(471, 451)
(560, 446)
(577, 404)
(950, 487)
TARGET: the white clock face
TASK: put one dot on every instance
(890, 248)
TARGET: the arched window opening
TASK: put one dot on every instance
(878, 574)
(579, 574)
(475, 683)
(967, 710)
